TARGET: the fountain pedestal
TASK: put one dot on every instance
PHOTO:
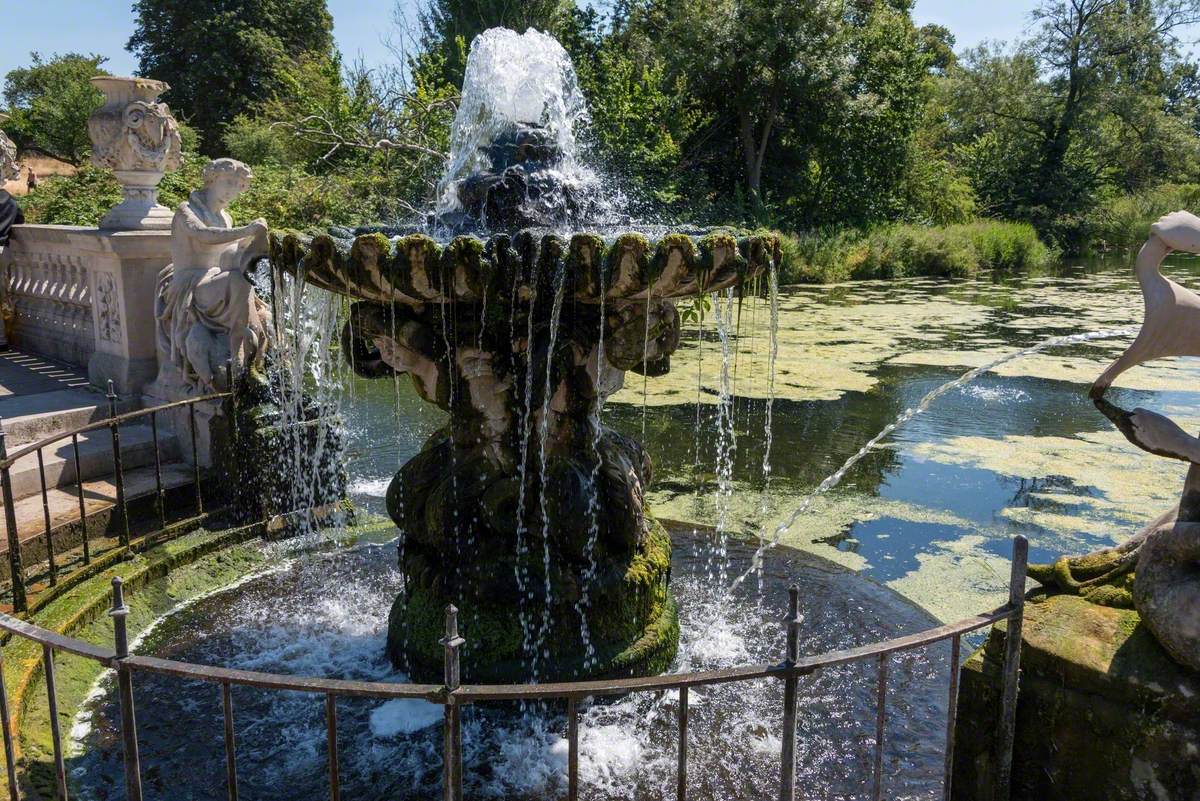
(1103, 711)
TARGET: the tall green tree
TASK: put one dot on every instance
(50, 101)
(1094, 101)
(807, 108)
(224, 57)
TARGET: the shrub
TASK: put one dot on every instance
(896, 251)
(287, 197)
(1123, 222)
(79, 199)
(1007, 246)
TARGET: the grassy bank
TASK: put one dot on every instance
(896, 251)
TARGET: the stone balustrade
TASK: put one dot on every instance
(85, 296)
(50, 293)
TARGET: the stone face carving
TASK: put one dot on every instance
(136, 137)
(1158, 570)
(206, 309)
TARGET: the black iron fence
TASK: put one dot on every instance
(452, 695)
(16, 537)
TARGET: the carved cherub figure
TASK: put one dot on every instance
(1159, 568)
(207, 310)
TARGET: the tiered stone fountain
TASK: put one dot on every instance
(524, 511)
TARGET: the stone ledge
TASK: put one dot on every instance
(1103, 712)
(83, 607)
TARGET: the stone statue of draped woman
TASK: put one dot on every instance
(207, 310)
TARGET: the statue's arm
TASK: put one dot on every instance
(211, 235)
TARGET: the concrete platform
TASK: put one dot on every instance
(23, 375)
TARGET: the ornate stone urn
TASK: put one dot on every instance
(136, 137)
(523, 510)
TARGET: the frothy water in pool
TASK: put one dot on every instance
(325, 614)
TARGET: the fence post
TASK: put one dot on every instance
(787, 772)
(452, 746)
(119, 471)
(1012, 670)
(17, 570)
(133, 768)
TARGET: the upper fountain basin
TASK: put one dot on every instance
(416, 269)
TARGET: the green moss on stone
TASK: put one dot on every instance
(662, 253)
(632, 620)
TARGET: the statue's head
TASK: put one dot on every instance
(225, 179)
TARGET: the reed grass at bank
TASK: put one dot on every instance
(1123, 222)
(897, 251)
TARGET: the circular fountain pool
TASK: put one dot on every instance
(325, 613)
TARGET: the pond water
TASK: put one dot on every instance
(920, 530)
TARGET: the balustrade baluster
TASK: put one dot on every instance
(452, 731)
(952, 714)
(133, 766)
(335, 791)
(10, 761)
(83, 529)
(1012, 667)
(16, 569)
(681, 773)
(158, 485)
(880, 723)
(123, 531)
(572, 749)
(195, 459)
(787, 771)
(230, 746)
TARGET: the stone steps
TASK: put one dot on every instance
(29, 418)
(99, 495)
(95, 459)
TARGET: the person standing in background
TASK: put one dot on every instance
(31, 180)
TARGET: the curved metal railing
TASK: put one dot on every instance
(452, 695)
(114, 421)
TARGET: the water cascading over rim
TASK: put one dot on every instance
(523, 502)
(524, 511)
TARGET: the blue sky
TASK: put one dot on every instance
(361, 26)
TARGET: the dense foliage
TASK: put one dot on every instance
(875, 146)
(222, 58)
(49, 102)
